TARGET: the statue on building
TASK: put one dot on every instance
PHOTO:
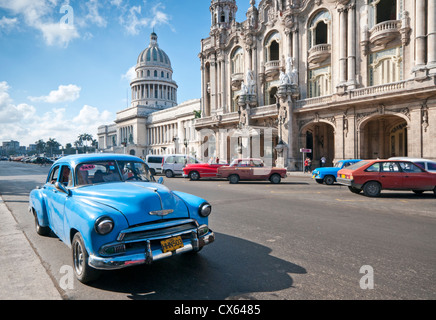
(249, 85)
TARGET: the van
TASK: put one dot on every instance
(154, 162)
(173, 164)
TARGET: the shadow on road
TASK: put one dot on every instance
(229, 268)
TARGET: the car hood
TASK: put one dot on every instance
(135, 200)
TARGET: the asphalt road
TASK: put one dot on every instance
(296, 240)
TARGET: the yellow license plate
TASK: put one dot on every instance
(343, 176)
(172, 244)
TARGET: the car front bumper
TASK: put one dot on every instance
(195, 243)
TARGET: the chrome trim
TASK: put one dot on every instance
(149, 255)
(161, 212)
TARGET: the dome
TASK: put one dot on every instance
(153, 55)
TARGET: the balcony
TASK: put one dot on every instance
(272, 68)
(237, 79)
(383, 33)
(318, 54)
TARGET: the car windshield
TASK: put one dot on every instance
(111, 171)
(357, 165)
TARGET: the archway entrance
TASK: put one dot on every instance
(383, 137)
(320, 138)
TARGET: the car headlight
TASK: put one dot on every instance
(104, 225)
(205, 209)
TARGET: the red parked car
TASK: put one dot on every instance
(251, 169)
(372, 176)
(195, 171)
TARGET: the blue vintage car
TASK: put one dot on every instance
(327, 175)
(113, 214)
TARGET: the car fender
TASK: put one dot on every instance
(193, 203)
(37, 204)
(80, 216)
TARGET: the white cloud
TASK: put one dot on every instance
(70, 92)
(6, 24)
(43, 15)
(22, 122)
(130, 74)
(134, 20)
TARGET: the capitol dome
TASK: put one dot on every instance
(153, 88)
(153, 55)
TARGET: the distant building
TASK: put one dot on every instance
(154, 123)
(10, 146)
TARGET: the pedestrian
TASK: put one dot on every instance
(322, 161)
(306, 165)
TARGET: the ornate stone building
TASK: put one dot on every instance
(154, 123)
(344, 78)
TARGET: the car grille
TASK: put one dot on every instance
(156, 232)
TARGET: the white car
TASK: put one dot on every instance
(173, 164)
(426, 164)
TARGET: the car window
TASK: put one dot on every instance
(54, 175)
(154, 159)
(257, 163)
(390, 167)
(66, 177)
(431, 165)
(97, 172)
(339, 165)
(410, 167)
(244, 163)
(357, 165)
(374, 168)
(132, 170)
(170, 160)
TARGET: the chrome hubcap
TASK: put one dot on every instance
(78, 258)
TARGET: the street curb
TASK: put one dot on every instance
(22, 276)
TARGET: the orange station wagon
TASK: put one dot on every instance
(372, 176)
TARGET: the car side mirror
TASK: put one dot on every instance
(161, 180)
(59, 186)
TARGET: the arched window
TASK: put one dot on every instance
(319, 29)
(238, 61)
(381, 11)
(155, 73)
(272, 47)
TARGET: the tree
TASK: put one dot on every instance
(52, 145)
(83, 140)
(40, 146)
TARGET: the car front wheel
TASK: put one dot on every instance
(329, 180)
(372, 189)
(275, 178)
(169, 174)
(194, 176)
(234, 178)
(82, 270)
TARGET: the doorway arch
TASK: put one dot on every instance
(320, 137)
(383, 136)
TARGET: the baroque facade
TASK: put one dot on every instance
(154, 123)
(343, 78)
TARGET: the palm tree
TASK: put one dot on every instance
(51, 145)
(84, 138)
(40, 146)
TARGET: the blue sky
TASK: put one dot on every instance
(61, 80)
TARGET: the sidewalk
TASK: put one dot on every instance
(22, 276)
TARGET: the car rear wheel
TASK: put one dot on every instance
(234, 178)
(329, 180)
(169, 173)
(82, 270)
(42, 231)
(275, 178)
(194, 176)
(372, 189)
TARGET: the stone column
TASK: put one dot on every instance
(431, 36)
(342, 46)
(420, 41)
(352, 46)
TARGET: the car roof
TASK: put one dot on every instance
(75, 159)
(410, 159)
